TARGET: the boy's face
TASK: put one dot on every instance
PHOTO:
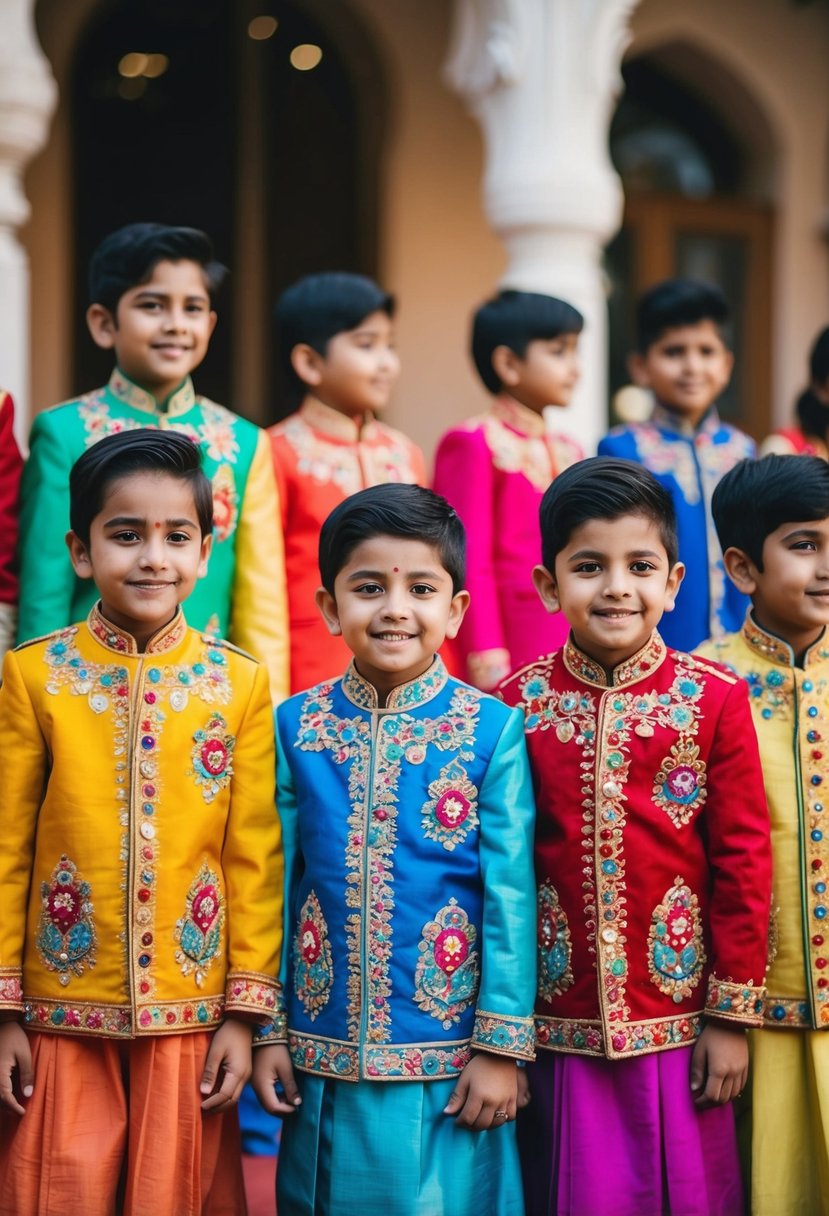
(161, 329)
(546, 375)
(393, 605)
(613, 582)
(358, 371)
(686, 368)
(145, 551)
(791, 593)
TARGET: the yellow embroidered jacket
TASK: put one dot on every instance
(141, 868)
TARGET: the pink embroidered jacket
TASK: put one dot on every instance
(494, 470)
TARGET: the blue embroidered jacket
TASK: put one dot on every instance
(409, 882)
(689, 461)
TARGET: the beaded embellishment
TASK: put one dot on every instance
(225, 503)
(679, 786)
(313, 967)
(199, 931)
(447, 973)
(450, 815)
(555, 974)
(676, 955)
(66, 932)
(211, 757)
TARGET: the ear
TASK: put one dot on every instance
(307, 363)
(507, 366)
(545, 585)
(741, 570)
(79, 555)
(102, 325)
(328, 607)
(457, 611)
(677, 574)
(204, 557)
(637, 366)
(213, 319)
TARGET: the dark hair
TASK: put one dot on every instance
(678, 302)
(603, 488)
(128, 257)
(758, 496)
(819, 357)
(812, 413)
(319, 307)
(409, 512)
(514, 319)
(144, 450)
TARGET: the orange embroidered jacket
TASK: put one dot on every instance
(652, 851)
(141, 871)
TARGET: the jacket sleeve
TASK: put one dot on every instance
(464, 475)
(252, 865)
(259, 614)
(22, 776)
(504, 1013)
(739, 859)
(47, 580)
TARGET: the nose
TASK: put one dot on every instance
(389, 359)
(395, 607)
(616, 584)
(153, 554)
(175, 319)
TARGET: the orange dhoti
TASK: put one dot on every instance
(116, 1127)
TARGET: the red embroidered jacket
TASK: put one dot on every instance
(652, 849)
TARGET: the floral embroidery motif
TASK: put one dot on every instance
(66, 932)
(742, 1002)
(11, 987)
(676, 955)
(505, 1036)
(450, 815)
(555, 974)
(371, 455)
(636, 1038)
(447, 973)
(332, 1058)
(513, 452)
(199, 931)
(679, 787)
(313, 966)
(212, 756)
(225, 503)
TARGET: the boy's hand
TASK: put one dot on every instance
(272, 1066)
(719, 1065)
(15, 1053)
(524, 1095)
(228, 1065)
(486, 1093)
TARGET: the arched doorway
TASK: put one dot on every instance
(202, 112)
(695, 158)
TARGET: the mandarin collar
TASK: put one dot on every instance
(333, 424)
(639, 665)
(519, 417)
(404, 696)
(131, 394)
(709, 424)
(772, 648)
(121, 642)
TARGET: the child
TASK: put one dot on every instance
(152, 289)
(682, 358)
(495, 468)
(652, 859)
(773, 522)
(811, 435)
(140, 872)
(337, 340)
(10, 466)
(407, 812)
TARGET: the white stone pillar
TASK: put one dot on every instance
(541, 76)
(28, 94)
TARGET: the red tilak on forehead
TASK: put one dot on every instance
(396, 569)
(157, 524)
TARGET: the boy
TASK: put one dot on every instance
(495, 468)
(407, 812)
(652, 859)
(140, 876)
(152, 289)
(682, 358)
(337, 341)
(10, 465)
(773, 523)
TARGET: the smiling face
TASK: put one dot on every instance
(612, 580)
(145, 551)
(791, 593)
(393, 605)
(358, 370)
(161, 328)
(686, 368)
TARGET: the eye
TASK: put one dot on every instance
(803, 546)
(179, 538)
(368, 589)
(421, 589)
(196, 307)
(150, 305)
(642, 567)
(126, 536)
(587, 568)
